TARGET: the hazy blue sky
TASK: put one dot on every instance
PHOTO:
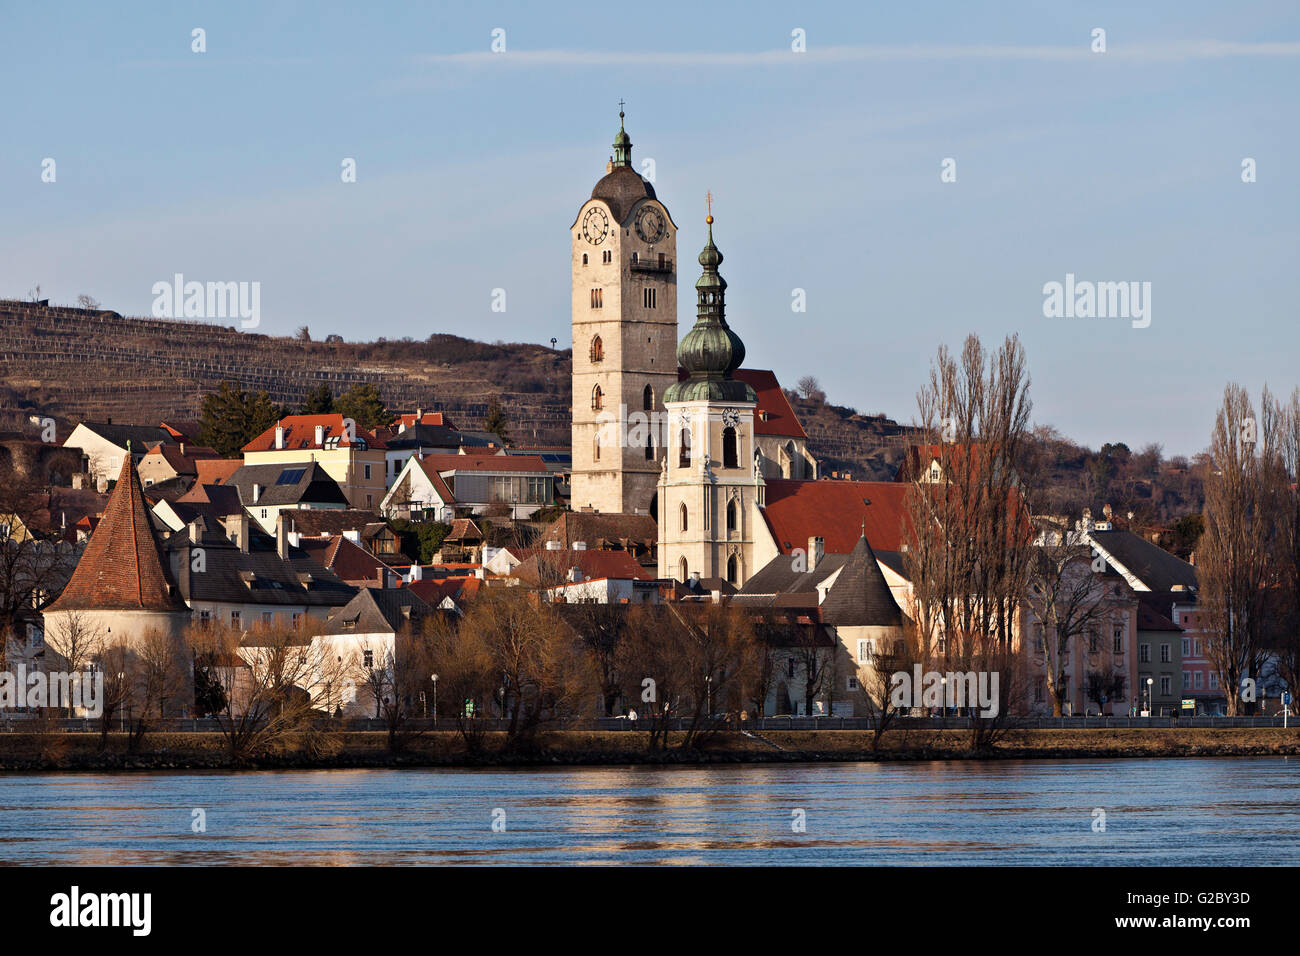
(825, 167)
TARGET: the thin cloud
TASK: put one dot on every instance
(1163, 52)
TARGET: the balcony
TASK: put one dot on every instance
(661, 264)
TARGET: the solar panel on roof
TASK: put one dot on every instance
(291, 476)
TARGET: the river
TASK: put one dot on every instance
(1200, 812)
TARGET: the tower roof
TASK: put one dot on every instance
(622, 187)
(860, 595)
(122, 567)
(711, 351)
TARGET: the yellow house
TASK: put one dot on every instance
(352, 456)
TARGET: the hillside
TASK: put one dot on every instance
(78, 364)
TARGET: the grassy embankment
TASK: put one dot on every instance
(166, 751)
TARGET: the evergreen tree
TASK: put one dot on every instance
(496, 422)
(232, 418)
(362, 404)
(320, 400)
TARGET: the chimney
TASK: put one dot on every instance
(320, 435)
(579, 546)
(717, 597)
(195, 530)
(575, 575)
(282, 535)
(239, 531)
(480, 573)
(279, 436)
(816, 549)
(417, 573)
(554, 546)
(353, 535)
(257, 492)
(182, 448)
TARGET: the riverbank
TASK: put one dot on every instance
(189, 751)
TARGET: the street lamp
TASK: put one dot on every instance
(121, 705)
(1150, 681)
(435, 698)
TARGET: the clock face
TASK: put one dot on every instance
(595, 225)
(730, 417)
(650, 225)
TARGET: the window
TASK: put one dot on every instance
(1198, 648)
(263, 512)
(1198, 680)
(684, 521)
(235, 619)
(1094, 643)
(597, 399)
(370, 501)
(650, 448)
(682, 569)
(597, 299)
(648, 399)
(730, 457)
(1119, 640)
(367, 659)
(934, 471)
(595, 448)
(584, 258)
(205, 616)
(365, 470)
(268, 618)
(1144, 653)
(648, 298)
(853, 683)
(684, 449)
(733, 571)
(1165, 685)
(1165, 657)
(790, 668)
(1187, 680)
(296, 618)
(865, 650)
(607, 256)
(1038, 692)
(1186, 647)
(1214, 680)
(731, 515)
(597, 349)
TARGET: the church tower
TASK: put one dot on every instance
(624, 332)
(709, 487)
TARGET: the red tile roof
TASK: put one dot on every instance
(428, 418)
(300, 433)
(592, 564)
(351, 562)
(216, 471)
(834, 511)
(502, 463)
(122, 566)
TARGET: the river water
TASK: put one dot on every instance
(1156, 812)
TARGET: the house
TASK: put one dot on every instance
(215, 471)
(781, 444)
(266, 490)
(212, 502)
(104, 446)
(344, 556)
(353, 457)
(552, 566)
(166, 461)
(848, 596)
(364, 635)
(633, 533)
(405, 441)
(463, 543)
(438, 486)
(365, 527)
(241, 577)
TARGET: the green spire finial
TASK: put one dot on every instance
(622, 142)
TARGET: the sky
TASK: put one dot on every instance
(826, 166)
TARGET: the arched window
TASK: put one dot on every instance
(731, 515)
(682, 570)
(682, 512)
(684, 450)
(733, 569)
(730, 459)
(650, 448)
(648, 398)
(597, 399)
(595, 447)
(597, 349)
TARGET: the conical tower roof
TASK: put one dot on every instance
(122, 567)
(860, 595)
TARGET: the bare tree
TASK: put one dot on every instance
(875, 679)
(87, 301)
(810, 388)
(969, 550)
(1245, 503)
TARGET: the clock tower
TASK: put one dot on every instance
(711, 484)
(624, 312)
